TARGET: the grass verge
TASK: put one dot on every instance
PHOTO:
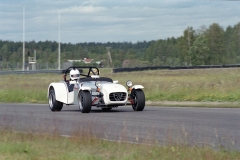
(208, 85)
(194, 104)
(23, 146)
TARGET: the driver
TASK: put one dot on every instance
(74, 76)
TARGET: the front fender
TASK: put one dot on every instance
(60, 91)
(137, 87)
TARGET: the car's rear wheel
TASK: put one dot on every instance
(138, 97)
(54, 105)
(85, 101)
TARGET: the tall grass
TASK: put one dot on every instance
(208, 85)
(188, 85)
(81, 146)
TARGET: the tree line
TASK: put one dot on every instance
(211, 45)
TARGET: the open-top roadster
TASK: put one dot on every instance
(89, 89)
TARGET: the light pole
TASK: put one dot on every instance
(59, 44)
(109, 56)
(23, 65)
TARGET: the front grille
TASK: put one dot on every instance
(117, 96)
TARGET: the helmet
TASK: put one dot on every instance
(74, 74)
(94, 71)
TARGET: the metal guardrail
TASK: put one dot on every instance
(115, 70)
(30, 72)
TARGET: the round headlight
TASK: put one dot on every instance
(129, 83)
(98, 84)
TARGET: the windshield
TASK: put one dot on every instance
(93, 82)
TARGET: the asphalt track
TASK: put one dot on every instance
(212, 127)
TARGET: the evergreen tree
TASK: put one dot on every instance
(204, 46)
(199, 51)
(215, 41)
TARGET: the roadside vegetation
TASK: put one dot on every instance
(207, 85)
(23, 146)
(208, 45)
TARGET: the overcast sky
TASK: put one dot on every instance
(111, 20)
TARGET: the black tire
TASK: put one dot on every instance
(85, 101)
(54, 105)
(138, 98)
(107, 109)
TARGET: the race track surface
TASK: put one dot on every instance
(162, 125)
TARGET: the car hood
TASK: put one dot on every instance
(109, 88)
(106, 87)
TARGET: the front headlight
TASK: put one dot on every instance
(98, 84)
(129, 83)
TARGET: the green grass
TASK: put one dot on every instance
(208, 85)
(22, 146)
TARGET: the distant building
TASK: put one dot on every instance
(87, 61)
(100, 63)
(74, 60)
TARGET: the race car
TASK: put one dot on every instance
(88, 89)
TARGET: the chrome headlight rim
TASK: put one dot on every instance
(98, 84)
(129, 83)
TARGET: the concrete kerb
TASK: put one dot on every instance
(194, 104)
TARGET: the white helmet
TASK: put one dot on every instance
(74, 74)
(94, 71)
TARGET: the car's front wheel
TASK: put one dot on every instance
(85, 101)
(54, 105)
(138, 98)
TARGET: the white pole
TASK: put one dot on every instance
(59, 44)
(23, 65)
(35, 55)
(34, 65)
(109, 56)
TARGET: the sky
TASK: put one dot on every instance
(110, 20)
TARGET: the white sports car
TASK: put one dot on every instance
(92, 90)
